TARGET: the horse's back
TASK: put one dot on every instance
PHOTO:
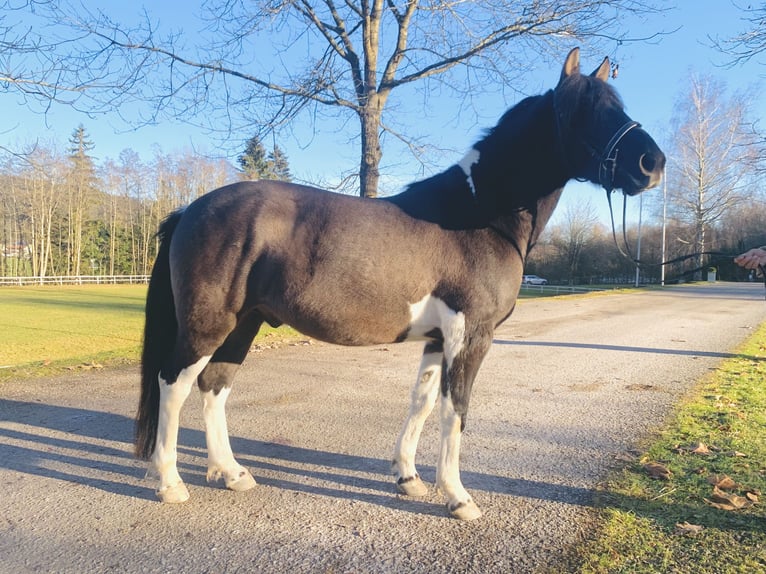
(338, 268)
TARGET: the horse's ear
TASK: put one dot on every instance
(571, 64)
(602, 72)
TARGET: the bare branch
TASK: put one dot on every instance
(750, 43)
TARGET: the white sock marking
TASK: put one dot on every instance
(448, 468)
(172, 398)
(422, 402)
(216, 432)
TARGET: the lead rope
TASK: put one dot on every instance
(641, 265)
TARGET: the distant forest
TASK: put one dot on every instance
(64, 214)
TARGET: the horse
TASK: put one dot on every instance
(440, 263)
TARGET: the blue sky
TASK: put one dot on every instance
(652, 76)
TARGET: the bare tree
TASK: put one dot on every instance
(573, 234)
(266, 62)
(749, 45)
(751, 42)
(711, 159)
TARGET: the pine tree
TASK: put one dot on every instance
(253, 162)
(256, 164)
(82, 185)
(280, 167)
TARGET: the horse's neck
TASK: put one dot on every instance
(444, 199)
(519, 176)
(523, 227)
(510, 180)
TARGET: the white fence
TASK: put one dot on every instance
(557, 289)
(75, 280)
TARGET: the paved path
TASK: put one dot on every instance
(569, 384)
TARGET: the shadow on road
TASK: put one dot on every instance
(623, 348)
(94, 449)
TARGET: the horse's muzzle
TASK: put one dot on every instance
(652, 166)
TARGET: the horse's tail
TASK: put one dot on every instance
(160, 332)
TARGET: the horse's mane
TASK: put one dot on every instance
(578, 91)
(514, 159)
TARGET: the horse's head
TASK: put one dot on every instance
(599, 141)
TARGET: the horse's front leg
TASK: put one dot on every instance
(422, 402)
(457, 380)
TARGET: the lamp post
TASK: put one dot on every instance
(664, 211)
(638, 244)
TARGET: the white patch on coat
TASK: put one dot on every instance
(172, 398)
(467, 163)
(448, 466)
(432, 313)
(422, 401)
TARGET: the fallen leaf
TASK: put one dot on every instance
(695, 448)
(658, 471)
(722, 481)
(727, 501)
(686, 529)
(752, 496)
(700, 448)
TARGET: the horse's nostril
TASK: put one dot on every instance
(647, 163)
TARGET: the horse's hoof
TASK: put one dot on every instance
(464, 511)
(412, 487)
(244, 481)
(173, 494)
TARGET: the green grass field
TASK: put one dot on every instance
(48, 329)
(49, 326)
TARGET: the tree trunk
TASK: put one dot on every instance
(369, 174)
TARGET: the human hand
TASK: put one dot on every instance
(751, 259)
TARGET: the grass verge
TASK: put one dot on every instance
(48, 330)
(692, 502)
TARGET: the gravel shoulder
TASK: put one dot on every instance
(569, 385)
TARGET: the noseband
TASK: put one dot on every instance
(607, 166)
(607, 160)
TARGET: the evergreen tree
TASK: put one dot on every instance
(256, 164)
(81, 187)
(280, 167)
(253, 162)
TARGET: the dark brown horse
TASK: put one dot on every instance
(441, 262)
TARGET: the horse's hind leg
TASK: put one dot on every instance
(422, 402)
(215, 385)
(173, 393)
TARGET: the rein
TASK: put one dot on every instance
(607, 168)
(642, 265)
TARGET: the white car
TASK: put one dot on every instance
(533, 280)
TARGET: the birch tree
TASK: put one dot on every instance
(710, 170)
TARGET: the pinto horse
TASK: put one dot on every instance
(441, 263)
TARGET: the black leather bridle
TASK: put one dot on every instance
(607, 161)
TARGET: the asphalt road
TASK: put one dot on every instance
(569, 385)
